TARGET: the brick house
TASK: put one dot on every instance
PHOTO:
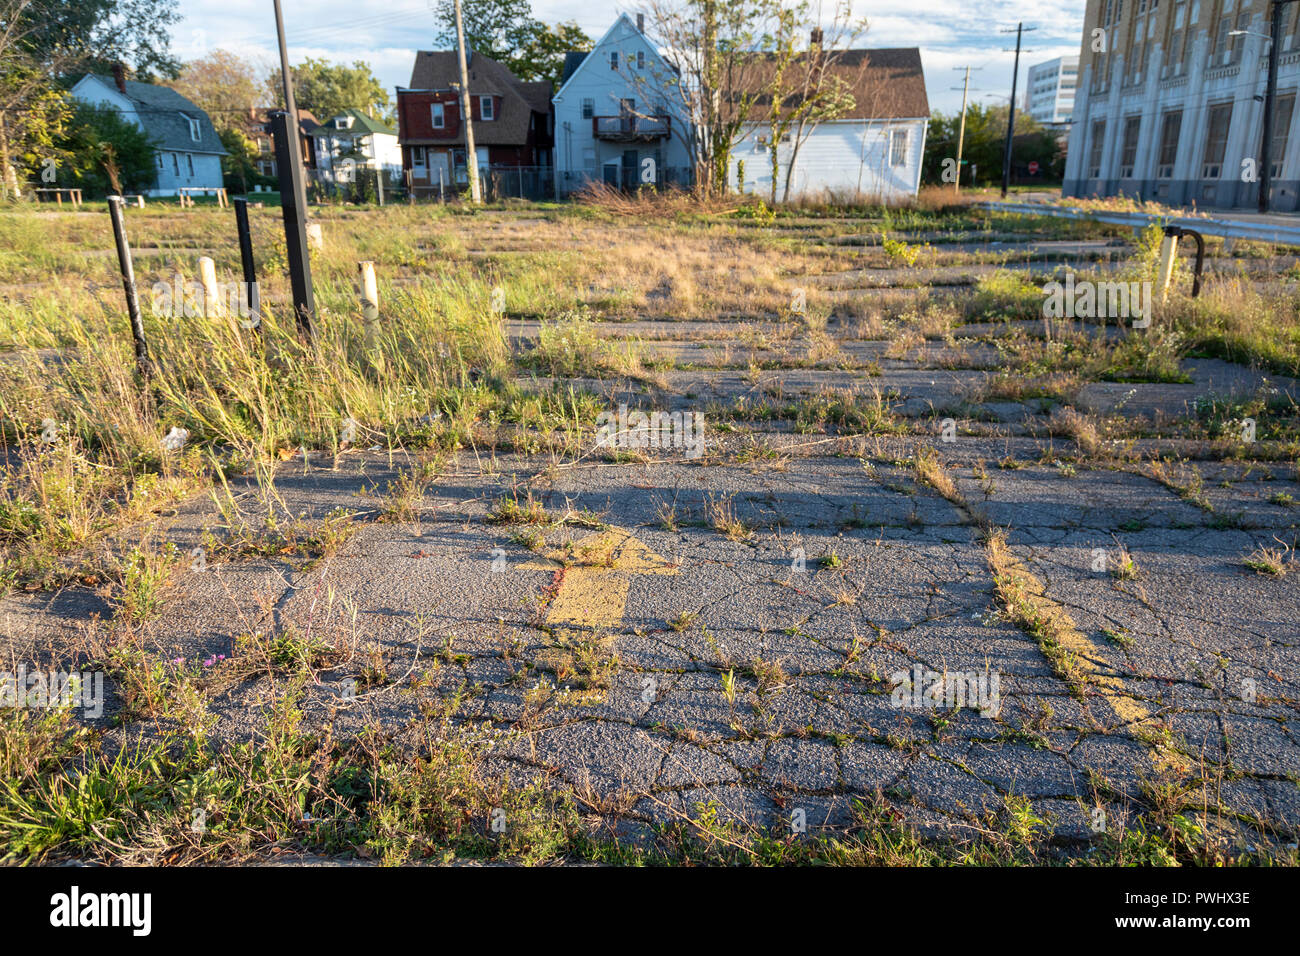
(513, 130)
(259, 131)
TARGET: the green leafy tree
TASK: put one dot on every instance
(239, 165)
(984, 145)
(78, 36)
(506, 31)
(106, 152)
(327, 89)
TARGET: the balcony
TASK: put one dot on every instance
(628, 128)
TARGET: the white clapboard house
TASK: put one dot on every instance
(872, 150)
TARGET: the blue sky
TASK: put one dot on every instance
(950, 34)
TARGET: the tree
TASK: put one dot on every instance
(222, 84)
(506, 31)
(92, 35)
(240, 161)
(105, 152)
(327, 89)
(710, 47)
(818, 93)
(986, 131)
(47, 44)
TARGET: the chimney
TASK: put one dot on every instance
(640, 23)
(119, 76)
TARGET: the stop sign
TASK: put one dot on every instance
(1033, 168)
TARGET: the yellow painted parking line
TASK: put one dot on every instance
(597, 573)
(1095, 672)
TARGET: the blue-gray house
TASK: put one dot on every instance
(189, 150)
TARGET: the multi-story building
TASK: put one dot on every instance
(1049, 92)
(1170, 103)
(511, 122)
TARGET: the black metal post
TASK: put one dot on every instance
(250, 268)
(1270, 103)
(1011, 116)
(128, 286)
(288, 166)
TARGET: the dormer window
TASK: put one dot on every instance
(195, 131)
(439, 116)
(486, 108)
(343, 122)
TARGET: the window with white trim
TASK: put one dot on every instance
(588, 108)
(439, 112)
(898, 147)
(486, 109)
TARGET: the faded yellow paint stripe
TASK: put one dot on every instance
(597, 572)
(589, 598)
(1064, 632)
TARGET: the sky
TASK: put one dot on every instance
(951, 35)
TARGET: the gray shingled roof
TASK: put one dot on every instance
(160, 109)
(572, 60)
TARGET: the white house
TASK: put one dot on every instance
(873, 150)
(188, 149)
(617, 107)
(351, 140)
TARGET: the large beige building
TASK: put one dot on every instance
(1170, 105)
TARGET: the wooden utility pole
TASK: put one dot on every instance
(961, 134)
(471, 155)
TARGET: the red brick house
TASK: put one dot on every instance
(513, 130)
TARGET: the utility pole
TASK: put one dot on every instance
(961, 135)
(1011, 115)
(1270, 104)
(471, 155)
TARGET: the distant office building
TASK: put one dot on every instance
(1049, 94)
(1170, 106)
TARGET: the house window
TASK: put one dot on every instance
(189, 162)
(1170, 129)
(1094, 149)
(439, 116)
(1281, 132)
(640, 59)
(160, 160)
(1216, 140)
(176, 164)
(485, 108)
(613, 59)
(588, 108)
(1128, 153)
(195, 131)
(898, 148)
(419, 161)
